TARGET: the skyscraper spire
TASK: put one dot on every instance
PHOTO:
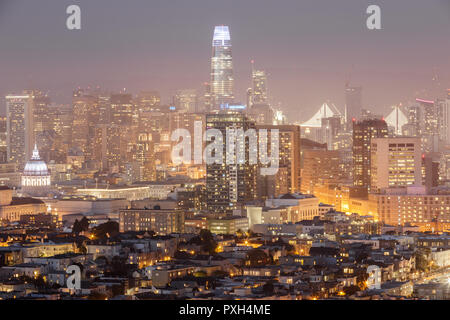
(222, 80)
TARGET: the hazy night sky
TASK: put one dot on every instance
(308, 47)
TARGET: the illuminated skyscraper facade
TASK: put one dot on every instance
(395, 162)
(259, 79)
(288, 177)
(20, 129)
(363, 133)
(229, 185)
(222, 67)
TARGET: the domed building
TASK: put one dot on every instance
(36, 176)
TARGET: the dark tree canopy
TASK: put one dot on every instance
(257, 257)
(106, 230)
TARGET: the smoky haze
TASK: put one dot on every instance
(309, 48)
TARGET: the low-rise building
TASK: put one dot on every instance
(227, 224)
(161, 221)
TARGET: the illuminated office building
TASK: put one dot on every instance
(443, 106)
(259, 92)
(412, 128)
(222, 67)
(42, 121)
(208, 101)
(84, 106)
(288, 177)
(229, 185)
(20, 129)
(162, 222)
(122, 109)
(430, 125)
(411, 205)
(395, 162)
(149, 100)
(363, 133)
(320, 167)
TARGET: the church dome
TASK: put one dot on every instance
(35, 166)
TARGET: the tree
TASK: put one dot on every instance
(251, 234)
(182, 255)
(76, 228)
(118, 267)
(361, 280)
(84, 224)
(106, 230)
(80, 226)
(101, 260)
(288, 247)
(117, 290)
(351, 290)
(257, 257)
(422, 259)
(209, 245)
(268, 288)
(81, 248)
(361, 257)
(39, 282)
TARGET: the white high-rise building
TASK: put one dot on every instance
(259, 79)
(444, 118)
(222, 80)
(395, 162)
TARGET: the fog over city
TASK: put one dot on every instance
(310, 49)
(192, 153)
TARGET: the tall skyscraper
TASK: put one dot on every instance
(122, 109)
(84, 106)
(259, 79)
(444, 117)
(288, 177)
(229, 185)
(447, 116)
(430, 125)
(20, 128)
(353, 104)
(413, 127)
(363, 133)
(221, 67)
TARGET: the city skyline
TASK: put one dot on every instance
(232, 150)
(303, 54)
